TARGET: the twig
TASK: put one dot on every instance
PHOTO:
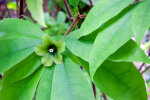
(91, 4)
(74, 22)
(68, 10)
(144, 63)
(72, 25)
(141, 66)
(94, 89)
(0, 76)
(104, 96)
(21, 10)
(145, 69)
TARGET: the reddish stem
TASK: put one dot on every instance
(68, 10)
(21, 10)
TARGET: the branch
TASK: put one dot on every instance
(21, 9)
(91, 4)
(75, 22)
(68, 10)
(146, 69)
(72, 25)
(94, 89)
(144, 63)
(0, 76)
(104, 96)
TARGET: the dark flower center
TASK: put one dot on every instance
(52, 49)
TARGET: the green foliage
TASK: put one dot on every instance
(74, 3)
(110, 39)
(21, 70)
(23, 89)
(102, 12)
(36, 9)
(103, 46)
(73, 80)
(19, 38)
(123, 79)
(141, 20)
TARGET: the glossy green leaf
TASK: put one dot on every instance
(36, 9)
(17, 41)
(141, 20)
(21, 70)
(78, 47)
(45, 85)
(120, 81)
(23, 89)
(69, 83)
(130, 52)
(101, 13)
(110, 39)
(74, 3)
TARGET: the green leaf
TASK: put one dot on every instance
(78, 47)
(101, 13)
(111, 38)
(21, 70)
(36, 9)
(74, 3)
(120, 81)
(61, 18)
(69, 83)
(45, 85)
(141, 20)
(130, 52)
(17, 41)
(23, 89)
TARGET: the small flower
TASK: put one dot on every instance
(50, 50)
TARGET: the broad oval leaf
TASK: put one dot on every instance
(21, 70)
(69, 83)
(101, 13)
(111, 38)
(45, 85)
(36, 9)
(141, 20)
(17, 42)
(120, 81)
(23, 89)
